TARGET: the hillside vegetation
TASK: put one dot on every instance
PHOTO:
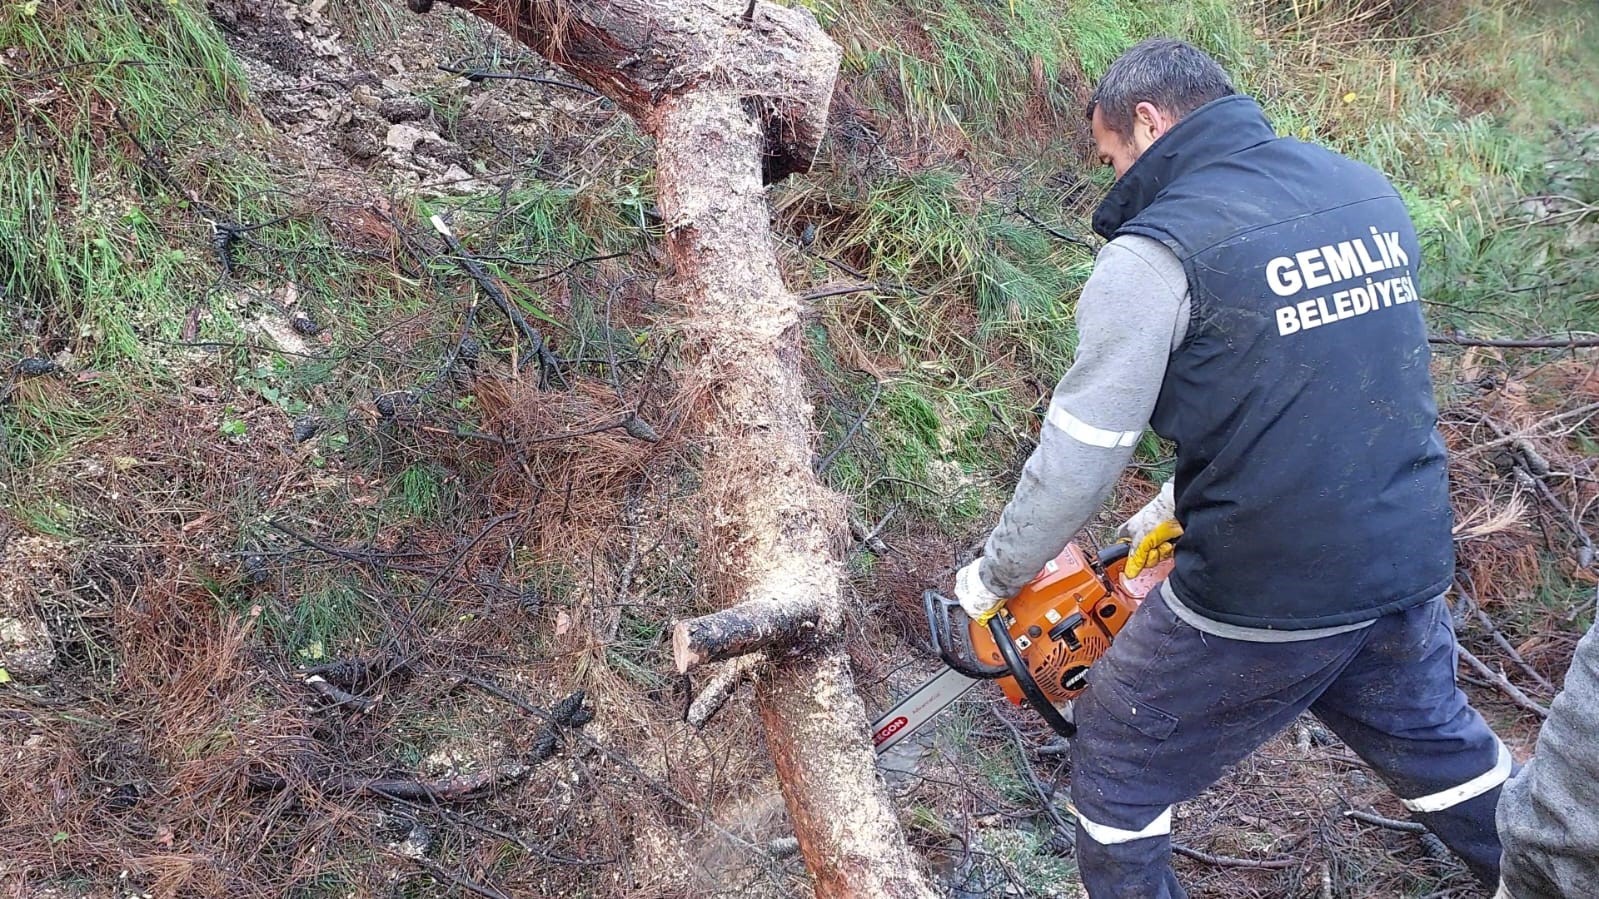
(315, 583)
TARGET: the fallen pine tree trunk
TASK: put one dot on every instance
(735, 93)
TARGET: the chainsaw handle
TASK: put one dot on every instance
(1017, 667)
(1113, 553)
(943, 634)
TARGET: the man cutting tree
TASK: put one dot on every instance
(1257, 305)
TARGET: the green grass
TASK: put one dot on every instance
(39, 420)
(915, 225)
(327, 621)
(1099, 30)
(103, 271)
(418, 492)
(1463, 107)
(124, 124)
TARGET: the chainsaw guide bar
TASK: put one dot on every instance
(1039, 646)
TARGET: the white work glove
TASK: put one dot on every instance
(979, 602)
(1162, 508)
(1151, 530)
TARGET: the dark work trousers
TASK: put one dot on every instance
(1169, 707)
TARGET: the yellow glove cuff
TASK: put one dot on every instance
(1156, 547)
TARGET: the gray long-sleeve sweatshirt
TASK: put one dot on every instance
(1132, 313)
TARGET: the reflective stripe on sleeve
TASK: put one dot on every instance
(1083, 432)
(1471, 789)
(1105, 835)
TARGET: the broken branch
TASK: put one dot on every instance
(1052, 232)
(1390, 823)
(339, 697)
(720, 688)
(1228, 861)
(1498, 680)
(1535, 343)
(1501, 641)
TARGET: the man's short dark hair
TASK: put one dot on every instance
(1176, 77)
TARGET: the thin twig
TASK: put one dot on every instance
(460, 788)
(867, 537)
(840, 291)
(563, 270)
(656, 786)
(1390, 823)
(456, 560)
(482, 74)
(337, 696)
(1053, 232)
(1586, 557)
(513, 839)
(1500, 640)
(1578, 412)
(548, 363)
(1228, 861)
(1526, 473)
(56, 70)
(1535, 343)
(1498, 680)
(1044, 802)
(827, 460)
(441, 875)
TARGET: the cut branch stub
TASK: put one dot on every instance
(637, 52)
(772, 626)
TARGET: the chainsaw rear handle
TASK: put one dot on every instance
(1113, 553)
(954, 645)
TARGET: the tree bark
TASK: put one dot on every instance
(735, 94)
(775, 528)
(639, 52)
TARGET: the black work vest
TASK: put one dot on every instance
(1311, 479)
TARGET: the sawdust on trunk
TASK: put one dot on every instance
(735, 94)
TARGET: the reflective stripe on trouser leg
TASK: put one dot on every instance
(1168, 708)
(1471, 789)
(1105, 835)
(1399, 708)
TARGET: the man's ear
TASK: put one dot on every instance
(1148, 118)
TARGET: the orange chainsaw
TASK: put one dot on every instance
(1039, 646)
